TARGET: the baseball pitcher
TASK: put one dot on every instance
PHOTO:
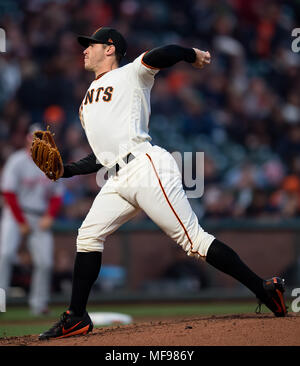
(115, 115)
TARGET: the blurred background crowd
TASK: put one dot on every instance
(243, 111)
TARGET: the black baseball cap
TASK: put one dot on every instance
(105, 35)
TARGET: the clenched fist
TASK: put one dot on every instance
(202, 58)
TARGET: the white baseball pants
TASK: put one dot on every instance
(40, 245)
(151, 182)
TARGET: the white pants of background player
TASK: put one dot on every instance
(40, 245)
(151, 182)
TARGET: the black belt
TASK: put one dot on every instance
(126, 160)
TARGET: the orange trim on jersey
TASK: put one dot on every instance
(149, 67)
(99, 76)
(172, 208)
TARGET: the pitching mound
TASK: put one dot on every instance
(225, 330)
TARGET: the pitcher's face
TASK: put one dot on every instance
(94, 55)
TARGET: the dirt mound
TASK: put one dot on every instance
(225, 330)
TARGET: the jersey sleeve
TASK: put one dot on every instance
(145, 74)
(10, 176)
(86, 165)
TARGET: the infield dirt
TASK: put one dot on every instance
(221, 330)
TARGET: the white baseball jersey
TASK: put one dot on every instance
(115, 115)
(32, 187)
(115, 111)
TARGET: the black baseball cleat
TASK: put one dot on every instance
(274, 299)
(68, 325)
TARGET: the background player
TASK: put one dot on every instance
(31, 203)
(115, 114)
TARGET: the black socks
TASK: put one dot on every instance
(225, 259)
(86, 270)
(87, 267)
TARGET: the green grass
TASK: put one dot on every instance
(21, 330)
(18, 321)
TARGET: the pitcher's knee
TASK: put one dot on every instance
(198, 246)
(87, 241)
(89, 244)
